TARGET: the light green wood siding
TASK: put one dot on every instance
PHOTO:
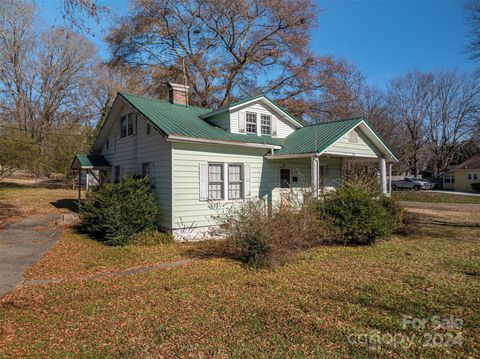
(190, 211)
(131, 152)
(362, 147)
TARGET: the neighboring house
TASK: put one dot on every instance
(461, 177)
(199, 158)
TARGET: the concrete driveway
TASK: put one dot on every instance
(22, 244)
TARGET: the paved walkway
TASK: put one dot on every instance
(22, 244)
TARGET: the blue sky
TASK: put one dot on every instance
(384, 39)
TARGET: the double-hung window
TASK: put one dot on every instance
(226, 181)
(127, 125)
(266, 125)
(235, 181)
(146, 169)
(215, 181)
(251, 123)
(123, 126)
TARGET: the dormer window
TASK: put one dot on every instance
(266, 125)
(251, 123)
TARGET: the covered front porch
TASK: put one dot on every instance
(322, 173)
(331, 147)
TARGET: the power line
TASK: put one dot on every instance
(41, 132)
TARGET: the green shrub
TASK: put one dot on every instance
(358, 216)
(115, 212)
(475, 186)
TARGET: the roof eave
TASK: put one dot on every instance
(173, 138)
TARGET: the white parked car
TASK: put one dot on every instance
(412, 183)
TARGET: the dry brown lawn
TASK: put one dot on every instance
(216, 307)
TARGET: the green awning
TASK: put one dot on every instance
(90, 162)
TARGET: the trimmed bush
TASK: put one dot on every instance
(357, 215)
(115, 212)
(475, 186)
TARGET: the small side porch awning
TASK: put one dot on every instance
(90, 162)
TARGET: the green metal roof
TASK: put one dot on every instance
(316, 138)
(89, 161)
(180, 120)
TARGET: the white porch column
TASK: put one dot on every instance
(314, 175)
(383, 175)
(390, 178)
(79, 187)
(87, 185)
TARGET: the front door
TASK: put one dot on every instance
(285, 185)
(322, 178)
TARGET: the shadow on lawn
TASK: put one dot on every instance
(66, 203)
(9, 185)
(218, 248)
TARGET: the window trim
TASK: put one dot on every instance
(241, 182)
(262, 125)
(251, 123)
(222, 182)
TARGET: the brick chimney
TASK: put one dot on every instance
(178, 94)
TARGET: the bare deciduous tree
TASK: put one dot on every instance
(48, 80)
(409, 100)
(455, 107)
(229, 49)
(473, 20)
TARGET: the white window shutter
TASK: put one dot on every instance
(274, 126)
(203, 181)
(246, 180)
(225, 181)
(241, 121)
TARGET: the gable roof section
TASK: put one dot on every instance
(89, 162)
(315, 139)
(472, 163)
(178, 121)
(248, 100)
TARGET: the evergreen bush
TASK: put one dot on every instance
(113, 213)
